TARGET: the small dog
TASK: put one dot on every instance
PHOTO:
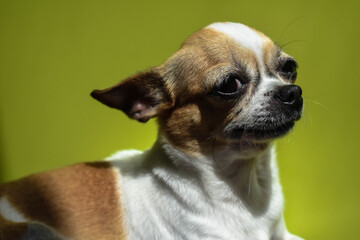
(220, 101)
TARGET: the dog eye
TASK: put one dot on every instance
(230, 86)
(288, 69)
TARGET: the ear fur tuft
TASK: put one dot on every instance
(141, 96)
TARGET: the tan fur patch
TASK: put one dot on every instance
(80, 201)
(271, 57)
(271, 54)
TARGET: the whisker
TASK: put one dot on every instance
(321, 105)
(289, 25)
(291, 42)
(250, 178)
(213, 155)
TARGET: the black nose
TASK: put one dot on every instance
(290, 95)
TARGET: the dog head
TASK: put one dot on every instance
(226, 82)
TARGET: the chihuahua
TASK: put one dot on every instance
(220, 101)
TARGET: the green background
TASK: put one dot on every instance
(53, 53)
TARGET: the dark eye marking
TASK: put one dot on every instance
(287, 69)
(230, 86)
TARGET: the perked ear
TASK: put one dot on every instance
(141, 97)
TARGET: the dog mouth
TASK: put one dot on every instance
(261, 133)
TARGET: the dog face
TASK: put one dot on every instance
(227, 82)
(270, 109)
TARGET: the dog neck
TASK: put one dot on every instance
(240, 178)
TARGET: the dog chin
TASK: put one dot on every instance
(261, 133)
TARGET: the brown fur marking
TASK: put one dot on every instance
(80, 201)
(10, 230)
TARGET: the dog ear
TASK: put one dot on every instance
(141, 96)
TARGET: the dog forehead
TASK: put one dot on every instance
(243, 35)
(220, 48)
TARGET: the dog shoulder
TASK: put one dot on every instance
(78, 201)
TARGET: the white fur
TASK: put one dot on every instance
(125, 154)
(9, 212)
(184, 198)
(259, 103)
(244, 35)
